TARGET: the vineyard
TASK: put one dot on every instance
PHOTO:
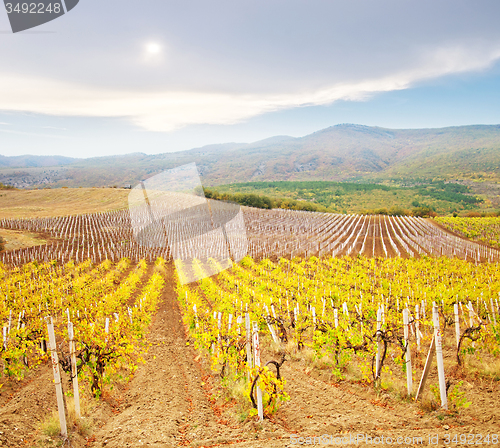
(103, 307)
(485, 230)
(286, 233)
(270, 233)
(390, 317)
(100, 314)
(345, 310)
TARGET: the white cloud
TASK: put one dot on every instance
(34, 134)
(164, 111)
(53, 127)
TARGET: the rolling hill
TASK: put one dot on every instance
(344, 152)
(35, 161)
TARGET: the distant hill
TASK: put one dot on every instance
(27, 161)
(344, 152)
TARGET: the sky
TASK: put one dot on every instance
(154, 76)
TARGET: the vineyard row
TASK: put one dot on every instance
(269, 233)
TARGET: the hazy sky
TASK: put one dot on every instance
(118, 76)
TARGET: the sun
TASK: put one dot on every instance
(153, 48)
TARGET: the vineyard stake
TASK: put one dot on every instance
(417, 325)
(195, 314)
(427, 368)
(493, 312)
(471, 317)
(269, 325)
(409, 379)
(219, 323)
(10, 323)
(74, 371)
(239, 320)
(256, 348)
(248, 344)
(457, 323)
(439, 356)
(57, 377)
(379, 343)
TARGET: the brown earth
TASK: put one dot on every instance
(17, 239)
(60, 202)
(172, 401)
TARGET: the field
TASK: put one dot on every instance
(278, 233)
(60, 202)
(345, 197)
(16, 239)
(484, 230)
(163, 363)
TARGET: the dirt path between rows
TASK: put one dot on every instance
(171, 401)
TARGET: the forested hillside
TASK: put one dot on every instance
(339, 153)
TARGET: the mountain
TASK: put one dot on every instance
(340, 153)
(34, 161)
(354, 152)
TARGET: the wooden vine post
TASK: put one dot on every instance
(457, 323)
(435, 348)
(57, 377)
(248, 343)
(439, 356)
(5, 338)
(379, 343)
(409, 379)
(195, 313)
(74, 371)
(417, 326)
(256, 351)
(493, 312)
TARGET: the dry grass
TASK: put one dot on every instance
(82, 425)
(50, 425)
(487, 368)
(16, 239)
(60, 202)
(78, 428)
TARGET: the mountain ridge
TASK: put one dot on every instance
(344, 152)
(29, 160)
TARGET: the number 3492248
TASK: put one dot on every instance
(471, 439)
(33, 8)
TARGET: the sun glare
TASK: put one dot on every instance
(153, 48)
